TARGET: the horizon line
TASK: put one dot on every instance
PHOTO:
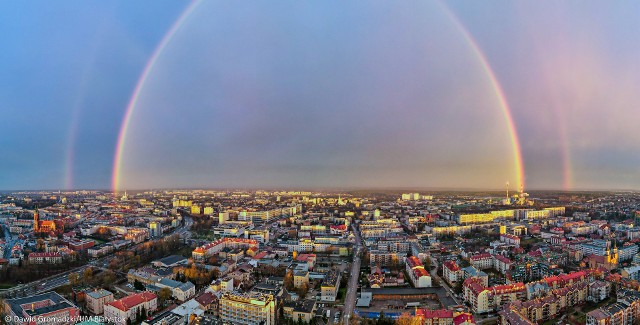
(324, 188)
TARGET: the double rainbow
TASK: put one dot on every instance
(479, 55)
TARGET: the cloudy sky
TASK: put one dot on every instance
(319, 94)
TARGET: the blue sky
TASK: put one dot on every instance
(262, 94)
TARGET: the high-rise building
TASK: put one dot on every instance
(247, 309)
(50, 307)
(155, 228)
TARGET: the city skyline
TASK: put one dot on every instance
(442, 95)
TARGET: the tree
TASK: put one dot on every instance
(40, 245)
(108, 277)
(88, 273)
(382, 320)
(164, 294)
(288, 280)
(427, 263)
(74, 279)
(2, 309)
(406, 319)
(138, 285)
(304, 289)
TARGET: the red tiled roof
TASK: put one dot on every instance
(131, 301)
(52, 254)
(566, 277)
(480, 256)
(451, 265)
(503, 259)
(438, 313)
(413, 261)
(418, 272)
(509, 287)
(463, 318)
(474, 284)
(260, 255)
(305, 257)
(206, 247)
(206, 299)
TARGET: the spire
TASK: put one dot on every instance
(507, 190)
(36, 220)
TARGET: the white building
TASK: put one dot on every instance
(128, 307)
(97, 299)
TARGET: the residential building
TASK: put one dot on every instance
(97, 299)
(50, 307)
(300, 310)
(128, 307)
(482, 261)
(180, 291)
(451, 272)
(300, 278)
(247, 309)
(419, 277)
(330, 286)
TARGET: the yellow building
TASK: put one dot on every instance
(300, 278)
(247, 309)
(474, 218)
(300, 310)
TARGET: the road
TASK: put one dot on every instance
(41, 285)
(10, 241)
(434, 275)
(185, 230)
(352, 288)
(62, 279)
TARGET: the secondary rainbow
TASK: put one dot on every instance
(122, 135)
(497, 88)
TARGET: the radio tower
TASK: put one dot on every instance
(507, 190)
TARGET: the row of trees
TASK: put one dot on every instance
(144, 253)
(27, 272)
(197, 275)
(88, 277)
(404, 319)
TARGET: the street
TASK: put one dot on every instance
(434, 275)
(62, 279)
(352, 289)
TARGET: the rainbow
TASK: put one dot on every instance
(495, 84)
(497, 88)
(122, 135)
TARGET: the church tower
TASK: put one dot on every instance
(612, 256)
(36, 221)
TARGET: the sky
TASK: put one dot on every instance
(319, 94)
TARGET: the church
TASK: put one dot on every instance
(45, 227)
(608, 261)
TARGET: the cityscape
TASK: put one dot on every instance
(437, 162)
(320, 257)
